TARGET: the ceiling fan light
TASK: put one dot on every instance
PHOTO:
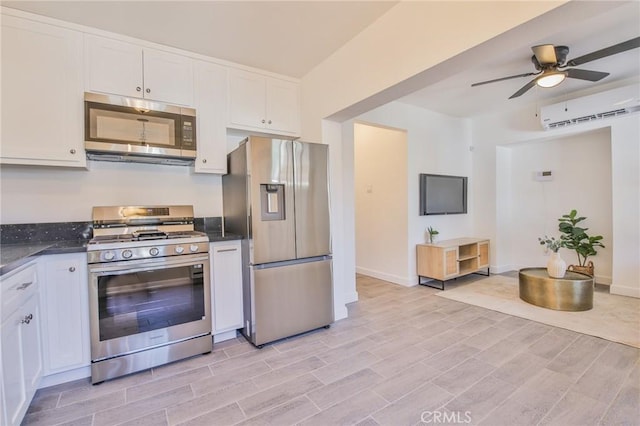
(551, 78)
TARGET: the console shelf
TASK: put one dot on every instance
(451, 259)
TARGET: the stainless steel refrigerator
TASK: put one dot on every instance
(276, 196)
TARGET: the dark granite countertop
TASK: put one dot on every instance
(14, 255)
(217, 236)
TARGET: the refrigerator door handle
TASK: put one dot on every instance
(291, 262)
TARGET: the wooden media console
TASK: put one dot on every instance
(450, 259)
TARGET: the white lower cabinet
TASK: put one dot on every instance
(21, 366)
(64, 296)
(226, 294)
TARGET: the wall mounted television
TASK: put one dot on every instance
(442, 194)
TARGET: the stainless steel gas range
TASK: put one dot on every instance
(148, 287)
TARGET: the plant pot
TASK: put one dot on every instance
(432, 239)
(556, 266)
(587, 269)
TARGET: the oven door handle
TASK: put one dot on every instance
(127, 267)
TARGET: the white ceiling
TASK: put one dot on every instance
(292, 37)
(455, 96)
(285, 37)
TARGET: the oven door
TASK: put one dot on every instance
(137, 305)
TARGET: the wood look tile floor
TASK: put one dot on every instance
(403, 357)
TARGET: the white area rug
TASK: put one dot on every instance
(615, 318)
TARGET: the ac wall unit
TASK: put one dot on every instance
(610, 103)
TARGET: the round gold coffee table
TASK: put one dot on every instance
(573, 292)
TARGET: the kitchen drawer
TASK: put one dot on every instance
(16, 287)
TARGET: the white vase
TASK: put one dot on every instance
(556, 267)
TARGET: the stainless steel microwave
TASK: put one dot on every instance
(130, 129)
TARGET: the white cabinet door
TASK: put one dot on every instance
(21, 359)
(32, 348)
(168, 77)
(113, 66)
(20, 347)
(65, 308)
(13, 369)
(42, 94)
(247, 99)
(283, 106)
(226, 267)
(127, 69)
(211, 107)
(263, 103)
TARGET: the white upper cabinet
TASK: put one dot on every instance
(42, 94)
(283, 106)
(267, 104)
(168, 77)
(127, 69)
(210, 101)
(113, 67)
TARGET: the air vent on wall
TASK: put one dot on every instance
(611, 103)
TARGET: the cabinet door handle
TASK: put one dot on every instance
(204, 160)
(24, 285)
(72, 269)
(138, 89)
(27, 319)
(148, 90)
(229, 249)
(269, 121)
(72, 151)
(263, 121)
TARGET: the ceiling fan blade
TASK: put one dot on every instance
(504, 78)
(524, 88)
(545, 54)
(607, 51)
(586, 74)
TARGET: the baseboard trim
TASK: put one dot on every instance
(621, 290)
(225, 335)
(340, 312)
(503, 268)
(405, 281)
(64, 377)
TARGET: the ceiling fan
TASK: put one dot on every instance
(551, 63)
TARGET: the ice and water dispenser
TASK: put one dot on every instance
(272, 201)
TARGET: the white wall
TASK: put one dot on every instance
(581, 167)
(41, 194)
(342, 216)
(381, 221)
(492, 134)
(436, 143)
(391, 58)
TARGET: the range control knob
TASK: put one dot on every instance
(127, 254)
(179, 249)
(154, 251)
(109, 255)
(193, 247)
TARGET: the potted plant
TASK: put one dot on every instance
(556, 266)
(576, 238)
(432, 235)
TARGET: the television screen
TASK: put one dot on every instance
(440, 194)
